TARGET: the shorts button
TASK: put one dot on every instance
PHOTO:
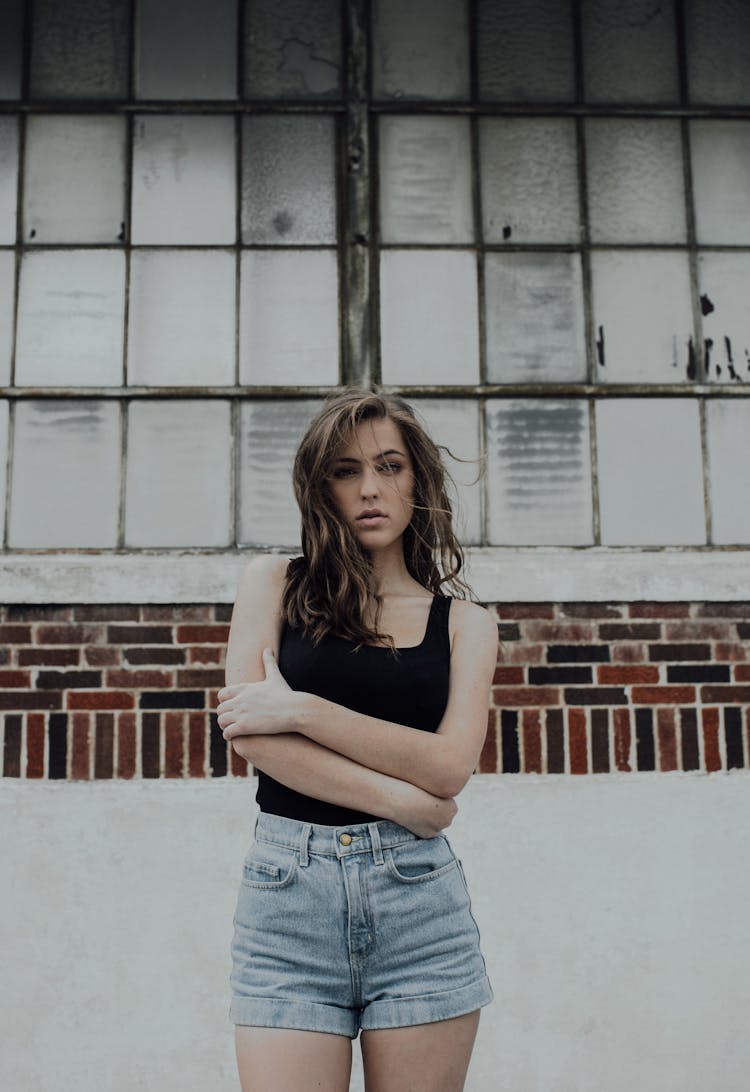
(345, 839)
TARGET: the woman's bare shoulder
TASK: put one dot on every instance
(263, 568)
(472, 620)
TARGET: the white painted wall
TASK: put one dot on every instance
(613, 911)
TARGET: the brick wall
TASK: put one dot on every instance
(127, 691)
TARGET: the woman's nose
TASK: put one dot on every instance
(369, 483)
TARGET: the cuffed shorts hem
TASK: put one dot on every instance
(282, 1012)
(427, 1008)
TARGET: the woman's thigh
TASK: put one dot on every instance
(279, 1059)
(423, 1058)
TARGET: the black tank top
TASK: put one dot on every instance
(410, 689)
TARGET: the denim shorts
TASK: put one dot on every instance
(342, 929)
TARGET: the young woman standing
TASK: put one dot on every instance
(359, 691)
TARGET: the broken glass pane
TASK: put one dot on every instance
(74, 179)
(289, 317)
(425, 180)
(717, 36)
(643, 317)
(529, 180)
(184, 180)
(178, 476)
(181, 324)
(539, 472)
(70, 318)
(11, 41)
(534, 324)
(8, 178)
(526, 51)
(720, 152)
(728, 440)
(7, 309)
(197, 62)
(420, 49)
(66, 474)
(428, 308)
(724, 279)
(293, 50)
(79, 49)
(454, 425)
(630, 51)
(650, 492)
(288, 179)
(635, 181)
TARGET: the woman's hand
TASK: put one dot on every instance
(260, 708)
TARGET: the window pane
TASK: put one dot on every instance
(629, 51)
(70, 318)
(183, 180)
(269, 435)
(529, 180)
(425, 180)
(724, 279)
(289, 317)
(534, 323)
(181, 318)
(643, 317)
(4, 459)
(7, 300)
(526, 50)
(66, 474)
(198, 62)
(79, 49)
(288, 180)
(428, 305)
(293, 50)
(650, 491)
(728, 439)
(455, 426)
(11, 37)
(178, 474)
(539, 472)
(75, 179)
(635, 181)
(718, 38)
(420, 49)
(720, 153)
(8, 178)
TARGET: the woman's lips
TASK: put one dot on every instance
(371, 521)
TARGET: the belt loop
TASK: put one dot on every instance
(377, 849)
(304, 858)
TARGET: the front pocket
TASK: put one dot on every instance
(269, 865)
(419, 861)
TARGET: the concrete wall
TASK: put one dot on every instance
(613, 913)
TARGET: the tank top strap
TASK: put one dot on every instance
(437, 623)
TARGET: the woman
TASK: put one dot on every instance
(353, 914)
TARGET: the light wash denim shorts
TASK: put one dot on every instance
(342, 929)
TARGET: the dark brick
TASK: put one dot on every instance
(733, 738)
(662, 653)
(24, 699)
(223, 612)
(106, 612)
(600, 741)
(698, 673)
(37, 612)
(139, 635)
(154, 655)
(15, 635)
(743, 631)
(150, 742)
(596, 695)
(180, 612)
(725, 695)
(172, 699)
(689, 734)
(48, 657)
(217, 758)
(58, 746)
(542, 675)
(555, 742)
(629, 631)
(590, 610)
(509, 631)
(509, 741)
(69, 680)
(737, 609)
(564, 654)
(197, 677)
(644, 740)
(104, 745)
(12, 747)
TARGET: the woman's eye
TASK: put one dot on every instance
(390, 468)
(343, 472)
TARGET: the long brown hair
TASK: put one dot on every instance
(330, 587)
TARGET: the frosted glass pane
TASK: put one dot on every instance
(293, 50)
(288, 180)
(724, 280)
(428, 308)
(455, 426)
(718, 41)
(642, 317)
(269, 435)
(3, 461)
(289, 317)
(526, 50)
(539, 472)
(181, 320)
(196, 61)
(66, 474)
(70, 318)
(529, 180)
(534, 323)
(75, 179)
(720, 152)
(420, 49)
(79, 49)
(650, 473)
(11, 30)
(7, 299)
(178, 474)
(8, 178)
(635, 181)
(184, 180)
(728, 439)
(629, 51)
(425, 180)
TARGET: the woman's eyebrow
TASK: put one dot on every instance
(380, 455)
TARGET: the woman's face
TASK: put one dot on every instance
(372, 483)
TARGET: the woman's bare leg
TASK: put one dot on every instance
(282, 1060)
(424, 1058)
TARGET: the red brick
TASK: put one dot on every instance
(174, 723)
(697, 631)
(521, 653)
(100, 699)
(663, 695)
(102, 656)
(80, 761)
(531, 735)
(725, 695)
(35, 745)
(742, 673)
(628, 654)
(667, 738)
(203, 635)
(104, 745)
(202, 655)
(711, 739)
(48, 657)
(154, 655)
(196, 745)
(621, 718)
(577, 745)
(106, 612)
(70, 635)
(195, 679)
(126, 748)
(729, 652)
(681, 652)
(735, 609)
(508, 675)
(139, 635)
(15, 679)
(187, 612)
(138, 680)
(591, 610)
(488, 757)
(36, 612)
(15, 635)
(512, 611)
(625, 675)
(659, 610)
(558, 632)
(513, 697)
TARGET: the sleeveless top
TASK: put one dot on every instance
(410, 689)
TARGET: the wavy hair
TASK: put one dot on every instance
(330, 587)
